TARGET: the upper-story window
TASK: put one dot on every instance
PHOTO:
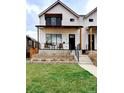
(53, 19)
(90, 20)
(71, 19)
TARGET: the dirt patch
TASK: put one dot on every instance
(93, 57)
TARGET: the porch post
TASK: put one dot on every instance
(80, 38)
(90, 38)
(38, 37)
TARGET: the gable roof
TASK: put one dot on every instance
(91, 12)
(54, 4)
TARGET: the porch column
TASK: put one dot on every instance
(38, 37)
(80, 38)
(90, 38)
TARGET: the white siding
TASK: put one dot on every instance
(42, 20)
(66, 15)
(65, 35)
(92, 16)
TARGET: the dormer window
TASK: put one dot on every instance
(71, 19)
(90, 20)
(53, 19)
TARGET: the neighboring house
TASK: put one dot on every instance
(90, 30)
(61, 28)
(30, 43)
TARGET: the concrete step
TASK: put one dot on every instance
(83, 55)
(84, 59)
(86, 63)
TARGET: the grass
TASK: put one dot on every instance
(59, 78)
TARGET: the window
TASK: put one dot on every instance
(53, 19)
(48, 39)
(58, 21)
(54, 39)
(71, 19)
(90, 20)
(48, 21)
(59, 38)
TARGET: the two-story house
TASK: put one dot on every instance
(61, 28)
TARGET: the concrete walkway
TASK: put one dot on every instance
(86, 63)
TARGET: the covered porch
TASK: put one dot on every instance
(59, 37)
(92, 38)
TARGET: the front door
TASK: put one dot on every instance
(71, 41)
(92, 42)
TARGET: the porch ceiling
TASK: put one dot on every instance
(94, 28)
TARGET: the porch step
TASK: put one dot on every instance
(84, 59)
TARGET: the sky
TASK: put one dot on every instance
(34, 7)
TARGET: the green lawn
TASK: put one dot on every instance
(59, 78)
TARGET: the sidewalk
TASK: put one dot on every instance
(87, 64)
(90, 68)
